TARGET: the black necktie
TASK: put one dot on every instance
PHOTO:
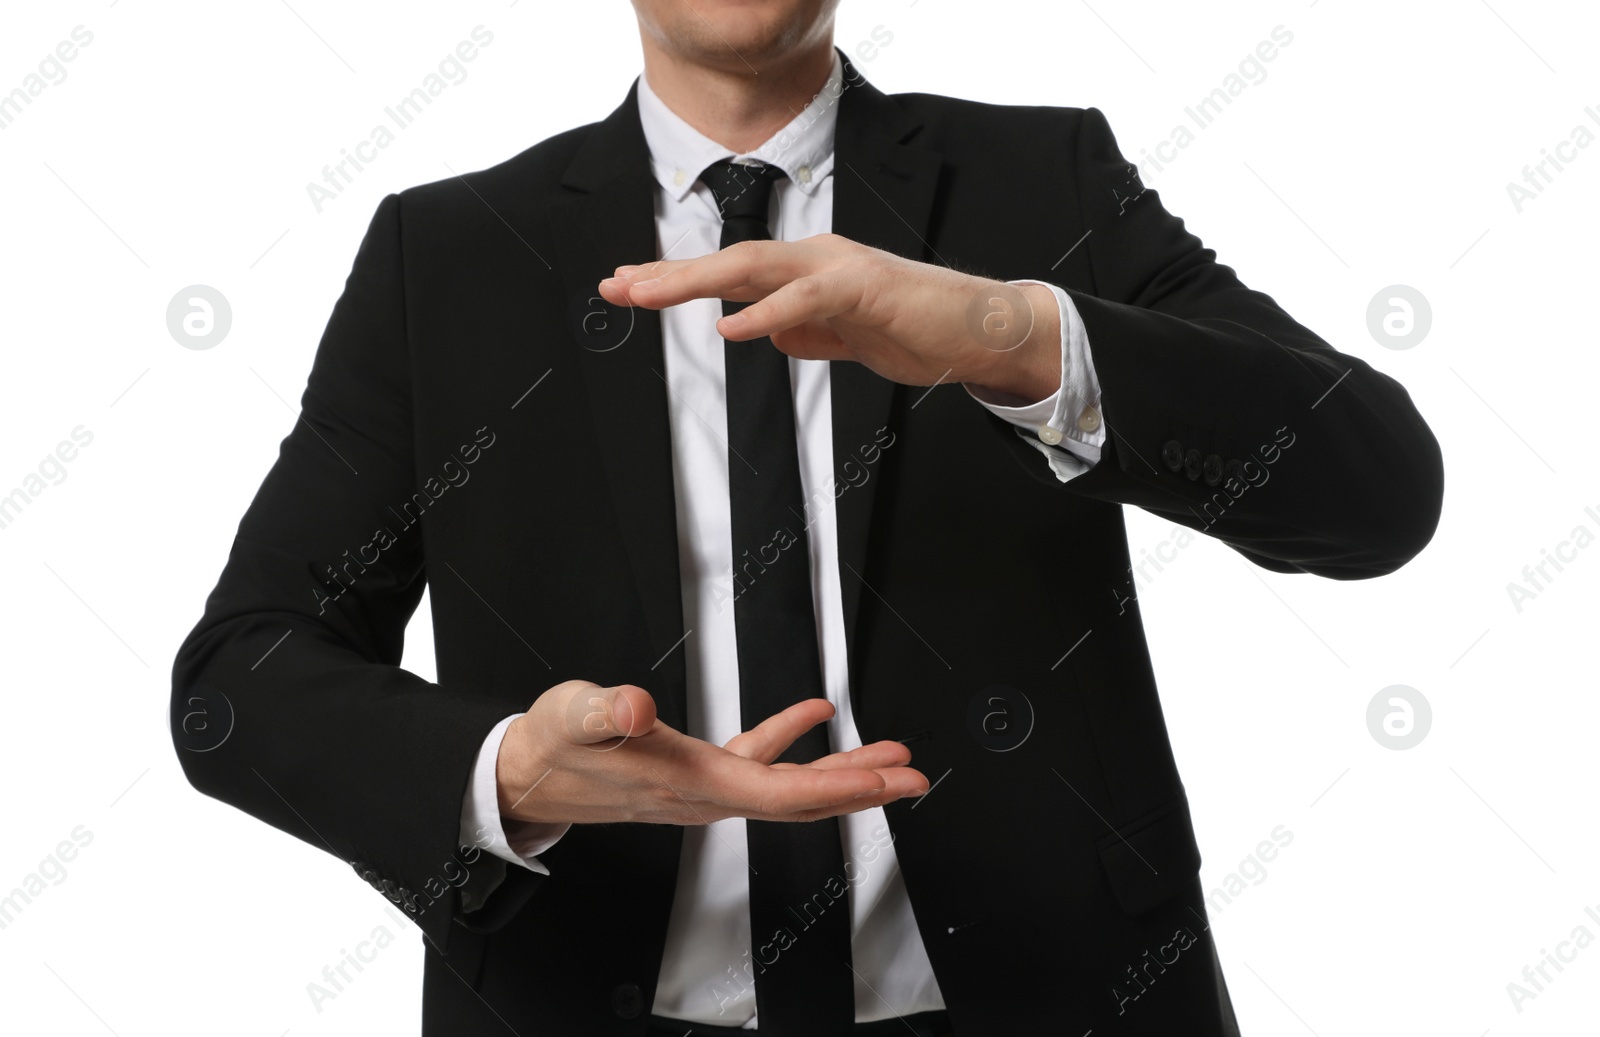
(799, 894)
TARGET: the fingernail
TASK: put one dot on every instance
(869, 792)
(626, 271)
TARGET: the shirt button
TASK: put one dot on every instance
(627, 1000)
(1049, 435)
(803, 174)
(678, 177)
(1089, 420)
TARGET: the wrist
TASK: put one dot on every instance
(515, 769)
(1030, 370)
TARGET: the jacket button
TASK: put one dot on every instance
(1234, 471)
(1172, 454)
(627, 1000)
(1192, 463)
(1212, 470)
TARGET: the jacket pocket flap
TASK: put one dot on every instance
(1152, 858)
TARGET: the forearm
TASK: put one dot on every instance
(1250, 428)
(330, 739)
(1222, 412)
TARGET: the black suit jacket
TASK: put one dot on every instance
(459, 429)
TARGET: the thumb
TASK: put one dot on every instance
(596, 714)
(812, 340)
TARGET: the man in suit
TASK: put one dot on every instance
(706, 575)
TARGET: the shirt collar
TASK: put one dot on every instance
(803, 149)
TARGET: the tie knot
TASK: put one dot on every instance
(741, 190)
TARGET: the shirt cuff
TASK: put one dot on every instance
(518, 842)
(1066, 426)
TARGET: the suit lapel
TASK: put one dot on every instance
(883, 196)
(620, 353)
(883, 193)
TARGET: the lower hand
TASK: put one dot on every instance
(587, 754)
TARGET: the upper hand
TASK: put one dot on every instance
(829, 298)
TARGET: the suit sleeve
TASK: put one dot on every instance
(1226, 415)
(288, 700)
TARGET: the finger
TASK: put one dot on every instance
(782, 803)
(899, 783)
(873, 757)
(707, 783)
(763, 265)
(614, 289)
(618, 292)
(781, 794)
(630, 273)
(769, 739)
(809, 298)
(595, 714)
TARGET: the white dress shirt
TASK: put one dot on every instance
(706, 973)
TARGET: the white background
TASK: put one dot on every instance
(1377, 151)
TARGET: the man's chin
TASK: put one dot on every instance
(740, 35)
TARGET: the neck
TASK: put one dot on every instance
(738, 108)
